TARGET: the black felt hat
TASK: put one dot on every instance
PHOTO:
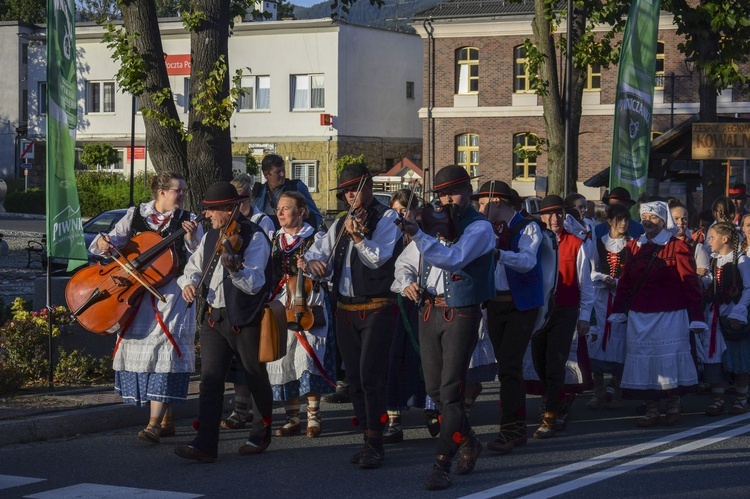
(449, 177)
(619, 194)
(351, 176)
(551, 203)
(221, 193)
(496, 188)
(738, 191)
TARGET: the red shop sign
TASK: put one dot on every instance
(178, 64)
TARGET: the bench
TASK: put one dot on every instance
(37, 251)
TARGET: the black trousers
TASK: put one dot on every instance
(447, 338)
(550, 349)
(219, 344)
(510, 330)
(365, 339)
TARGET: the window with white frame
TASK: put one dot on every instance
(42, 96)
(307, 92)
(100, 97)
(257, 93)
(307, 172)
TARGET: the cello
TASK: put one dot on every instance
(105, 297)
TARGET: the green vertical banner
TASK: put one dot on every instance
(631, 138)
(64, 224)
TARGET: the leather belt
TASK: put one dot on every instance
(502, 296)
(371, 304)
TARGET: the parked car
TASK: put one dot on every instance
(103, 222)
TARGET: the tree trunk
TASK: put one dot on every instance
(210, 150)
(552, 104)
(166, 147)
(714, 171)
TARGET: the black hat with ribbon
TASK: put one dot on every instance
(496, 188)
(738, 191)
(619, 194)
(351, 176)
(450, 177)
(551, 204)
(221, 193)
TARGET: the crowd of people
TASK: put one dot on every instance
(415, 306)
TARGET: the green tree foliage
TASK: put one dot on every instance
(347, 160)
(101, 191)
(285, 10)
(30, 11)
(97, 155)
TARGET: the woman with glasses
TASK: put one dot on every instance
(155, 353)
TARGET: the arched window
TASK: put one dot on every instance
(467, 152)
(521, 80)
(467, 70)
(524, 166)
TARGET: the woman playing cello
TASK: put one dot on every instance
(298, 373)
(155, 353)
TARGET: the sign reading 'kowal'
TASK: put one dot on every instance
(178, 64)
(721, 140)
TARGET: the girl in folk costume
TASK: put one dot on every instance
(607, 342)
(659, 296)
(309, 364)
(155, 353)
(727, 300)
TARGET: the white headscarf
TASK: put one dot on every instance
(661, 210)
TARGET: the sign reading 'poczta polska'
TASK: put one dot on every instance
(721, 140)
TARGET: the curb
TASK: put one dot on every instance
(88, 420)
(6, 215)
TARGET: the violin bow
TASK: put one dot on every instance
(128, 268)
(349, 214)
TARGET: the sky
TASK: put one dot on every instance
(305, 3)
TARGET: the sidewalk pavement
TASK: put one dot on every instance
(53, 415)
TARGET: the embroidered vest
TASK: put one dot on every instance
(727, 286)
(568, 294)
(611, 264)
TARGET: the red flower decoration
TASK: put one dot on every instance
(440, 419)
(457, 437)
(355, 421)
(384, 418)
(196, 424)
(267, 421)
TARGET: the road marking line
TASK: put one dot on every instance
(8, 481)
(604, 458)
(634, 465)
(96, 491)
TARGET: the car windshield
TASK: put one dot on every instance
(102, 223)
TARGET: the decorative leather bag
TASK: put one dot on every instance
(733, 334)
(273, 332)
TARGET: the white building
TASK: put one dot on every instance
(317, 90)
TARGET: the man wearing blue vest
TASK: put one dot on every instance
(267, 195)
(512, 313)
(358, 253)
(456, 277)
(235, 289)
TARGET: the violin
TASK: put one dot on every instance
(299, 315)
(360, 216)
(440, 221)
(104, 297)
(230, 242)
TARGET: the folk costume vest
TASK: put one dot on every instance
(568, 294)
(473, 284)
(242, 308)
(174, 224)
(611, 264)
(727, 286)
(366, 282)
(526, 288)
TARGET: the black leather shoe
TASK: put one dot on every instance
(393, 435)
(433, 422)
(370, 457)
(190, 452)
(338, 397)
(438, 479)
(256, 445)
(468, 454)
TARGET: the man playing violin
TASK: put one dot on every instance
(458, 279)
(357, 254)
(512, 313)
(233, 259)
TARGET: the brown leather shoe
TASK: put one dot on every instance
(671, 418)
(469, 451)
(190, 452)
(256, 445)
(439, 479)
(649, 421)
(314, 431)
(288, 430)
(168, 431)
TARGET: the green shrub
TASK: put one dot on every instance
(10, 379)
(31, 201)
(77, 368)
(101, 191)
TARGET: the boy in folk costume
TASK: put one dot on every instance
(512, 313)
(574, 300)
(456, 278)
(358, 253)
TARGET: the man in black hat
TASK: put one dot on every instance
(456, 278)
(267, 195)
(738, 195)
(512, 313)
(237, 286)
(619, 195)
(574, 300)
(357, 254)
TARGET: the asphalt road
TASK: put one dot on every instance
(601, 454)
(10, 223)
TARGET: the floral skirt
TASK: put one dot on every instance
(140, 388)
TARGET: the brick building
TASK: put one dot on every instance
(483, 107)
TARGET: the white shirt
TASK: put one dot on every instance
(522, 260)
(250, 279)
(373, 253)
(265, 222)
